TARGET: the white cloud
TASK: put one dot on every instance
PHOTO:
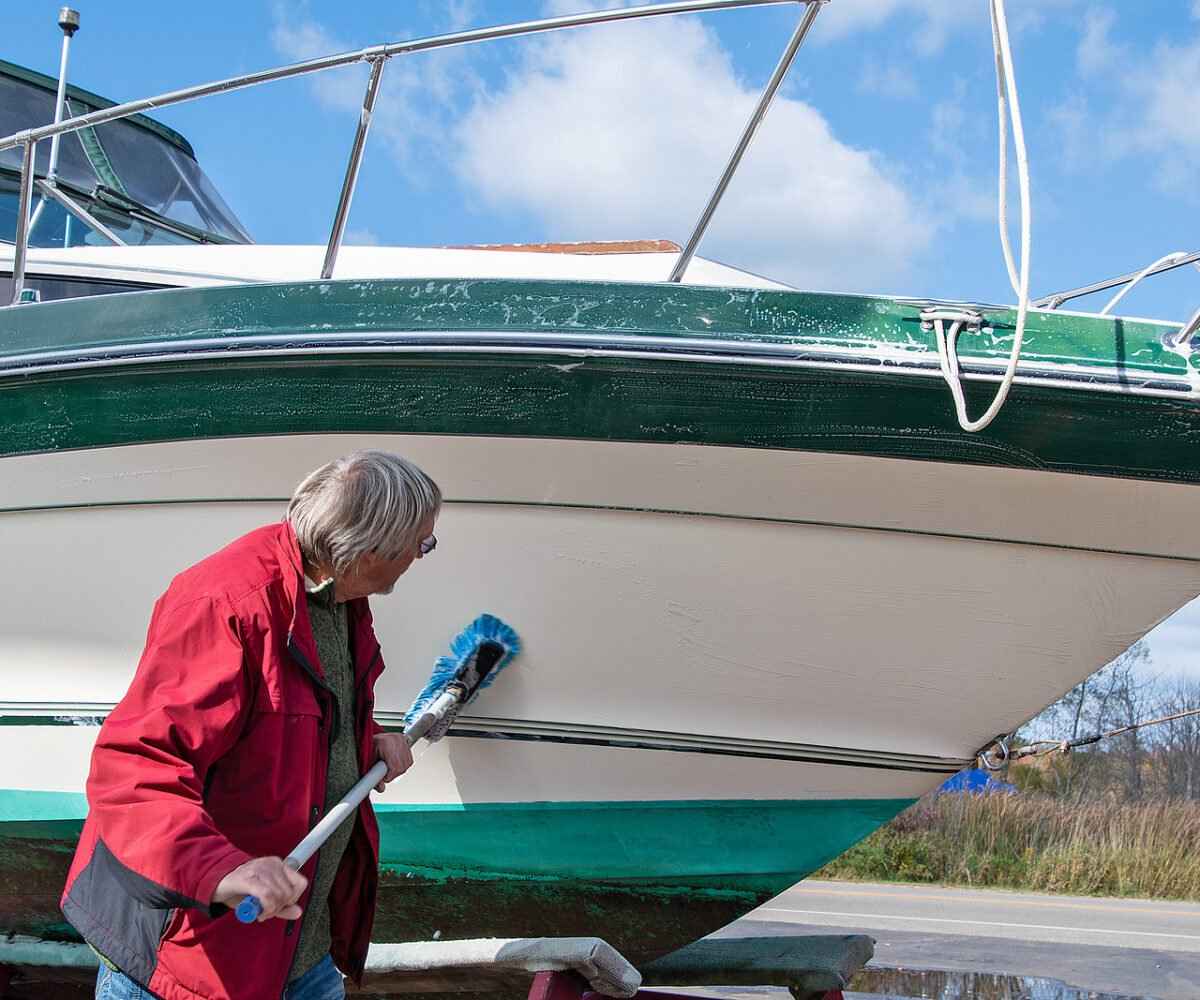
(415, 92)
(889, 80)
(1139, 103)
(1071, 122)
(1175, 644)
(952, 129)
(934, 20)
(956, 127)
(1168, 97)
(622, 132)
(361, 237)
(460, 13)
(924, 27)
(301, 39)
(1096, 52)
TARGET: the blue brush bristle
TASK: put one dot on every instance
(485, 628)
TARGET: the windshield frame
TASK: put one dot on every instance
(90, 207)
(152, 170)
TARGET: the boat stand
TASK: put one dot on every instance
(811, 967)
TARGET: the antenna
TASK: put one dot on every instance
(68, 20)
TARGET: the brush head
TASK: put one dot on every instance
(477, 655)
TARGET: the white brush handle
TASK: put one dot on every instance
(333, 819)
(249, 908)
(320, 833)
(349, 802)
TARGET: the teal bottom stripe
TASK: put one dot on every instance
(41, 814)
(709, 841)
(685, 840)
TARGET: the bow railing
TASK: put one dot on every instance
(377, 57)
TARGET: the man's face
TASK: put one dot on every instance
(370, 574)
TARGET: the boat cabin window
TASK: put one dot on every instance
(51, 287)
(135, 171)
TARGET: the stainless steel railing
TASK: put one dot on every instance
(377, 56)
(1058, 299)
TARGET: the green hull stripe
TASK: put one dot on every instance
(709, 840)
(717, 843)
(812, 321)
(881, 412)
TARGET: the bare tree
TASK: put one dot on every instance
(1118, 694)
(1131, 698)
(1177, 743)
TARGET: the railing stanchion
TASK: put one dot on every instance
(356, 153)
(21, 238)
(812, 8)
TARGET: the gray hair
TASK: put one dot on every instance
(367, 501)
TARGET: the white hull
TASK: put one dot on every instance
(795, 606)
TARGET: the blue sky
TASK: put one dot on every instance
(875, 171)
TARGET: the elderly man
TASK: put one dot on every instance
(248, 717)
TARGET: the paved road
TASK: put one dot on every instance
(1133, 947)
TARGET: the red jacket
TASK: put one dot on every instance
(218, 754)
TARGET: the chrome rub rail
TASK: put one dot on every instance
(578, 346)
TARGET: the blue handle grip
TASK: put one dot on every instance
(248, 909)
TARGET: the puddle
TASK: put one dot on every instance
(915, 984)
(923, 984)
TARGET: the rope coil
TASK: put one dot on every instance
(947, 342)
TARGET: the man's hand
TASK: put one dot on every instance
(274, 884)
(393, 750)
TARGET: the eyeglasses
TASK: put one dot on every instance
(427, 545)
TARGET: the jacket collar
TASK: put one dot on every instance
(300, 633)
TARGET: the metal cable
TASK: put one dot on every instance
(1000, 752)
(1145, 272)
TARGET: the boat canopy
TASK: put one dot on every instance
(137, 177)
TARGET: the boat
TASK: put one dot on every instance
(770, 588)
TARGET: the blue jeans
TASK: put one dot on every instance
(321, 982)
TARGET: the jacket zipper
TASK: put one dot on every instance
(299, 657)
(314, 815)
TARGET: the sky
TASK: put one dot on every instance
(875, 170)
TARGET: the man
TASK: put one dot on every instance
(248, 717)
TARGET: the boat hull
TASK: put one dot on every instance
(766, 600)
(648, 876)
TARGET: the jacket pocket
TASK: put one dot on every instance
(264, 788)
(174, 919)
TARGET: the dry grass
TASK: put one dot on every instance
(1035, 843)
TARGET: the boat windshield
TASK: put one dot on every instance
(137, 177)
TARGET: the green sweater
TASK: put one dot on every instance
(331, 631)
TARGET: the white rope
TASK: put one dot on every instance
(947, 343)
(1002, 78)
(1143, 273)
